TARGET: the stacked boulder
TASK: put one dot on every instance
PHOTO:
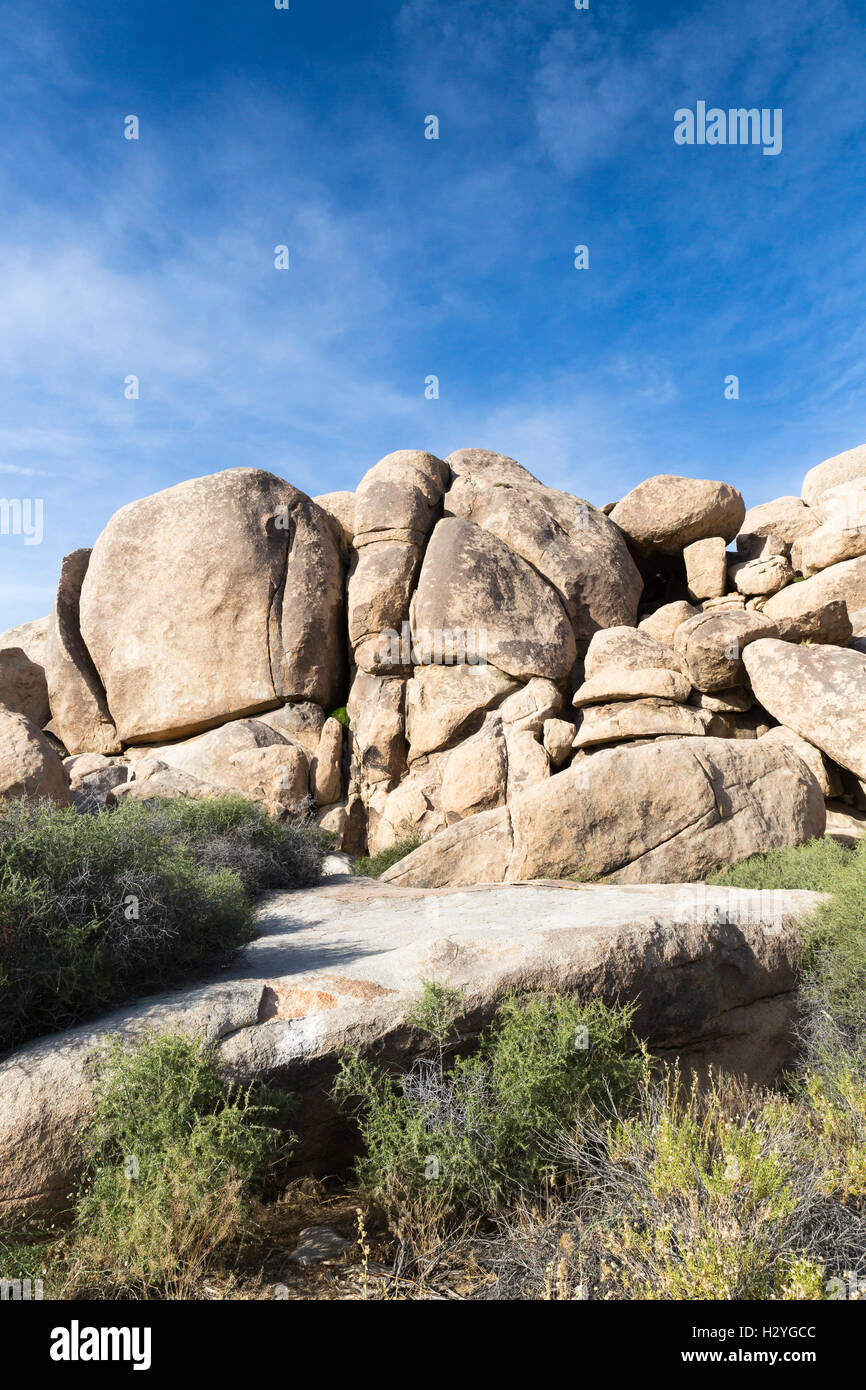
(460, 654)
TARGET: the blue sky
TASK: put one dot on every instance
(412, 257)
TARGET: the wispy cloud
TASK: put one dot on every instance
(408, 257)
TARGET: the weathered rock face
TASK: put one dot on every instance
(340, 507)
(763, 576)
(299, 723)
(799, 610)
(842, 468)
(842, 533)
(624, 663)
(557, 738)
(616, 684)
(245, 756)
(471, 582)
(79, 710)
(825, 772)
(663, 623)
(442, 703)
(567, 540)
(475, 776)
(23, 688)
(819, 692)
(639, 718)
(396, 506)
(326, 767)
(667, 513)
(787, 518)
(712, 645)
(211, 600)
(662, 812)
(706, 568)
(376, 710)
(530, 707)
(29, 766)
(713, 971)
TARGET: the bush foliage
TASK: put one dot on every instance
(98, 909)
(835, 936)
(373, 866)
(470, 1130)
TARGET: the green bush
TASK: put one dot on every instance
(174, 1158)
(469, 1132)
(235, 834)
(375, 865)
(819, 866)
(98, 909)
(834, 977)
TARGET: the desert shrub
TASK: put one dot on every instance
(341, 716)
(722, 1193)
(834, 968)
(232, 833)
(98, 909)
(375, 865)
(174, 1160)
(466, 1131)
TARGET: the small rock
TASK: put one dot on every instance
(337, 865)
(317, 1244)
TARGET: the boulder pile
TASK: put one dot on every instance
(457, 654)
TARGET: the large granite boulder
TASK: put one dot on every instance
(472, 583)
(640, 718)
(444, 702)
(842, 468)
(626, 663)
(669, 811)
(667, 513)
(567, 540)
(244, 756)
(842, 533)
(786, 518)
(29, 766)
(706, 568)
(764, 575)
(712, 645)
(397, 504)
(376, 710)
(804, 611)
(79, 709)
(213, 600)
(663, 623)
(23, 688)
(819, 692)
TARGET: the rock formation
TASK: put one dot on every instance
(539, 684)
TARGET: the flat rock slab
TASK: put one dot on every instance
(337, 967)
